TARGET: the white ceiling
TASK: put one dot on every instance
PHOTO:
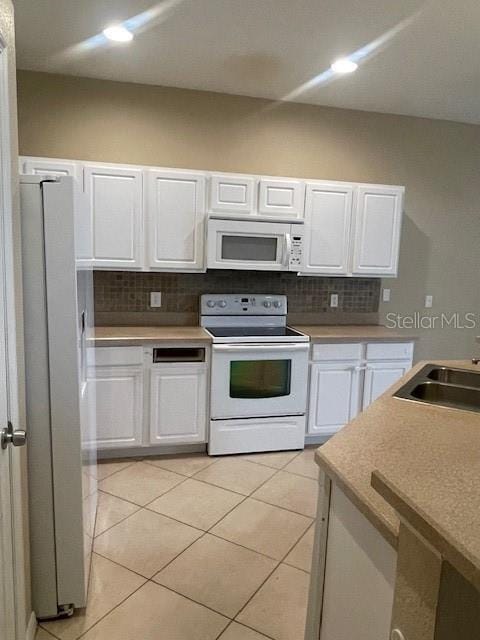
(428, 63)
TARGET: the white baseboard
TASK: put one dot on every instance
(32, 627)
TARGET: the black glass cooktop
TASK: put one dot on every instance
(248, 332)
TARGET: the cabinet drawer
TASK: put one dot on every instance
(111, 356)
(337, 351)
(389, 351)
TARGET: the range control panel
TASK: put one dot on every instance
(217, 304)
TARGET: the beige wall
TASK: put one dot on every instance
(437, 161)
(18, 456)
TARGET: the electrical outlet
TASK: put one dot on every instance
(428, 302)
(334, 300)
(155, 299)
(386, 295)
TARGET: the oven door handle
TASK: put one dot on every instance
(275, 346)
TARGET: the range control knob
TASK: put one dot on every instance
(222, 304)
(277, 304)
(210, 303)
(267, 304)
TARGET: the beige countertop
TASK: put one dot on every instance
(425, 462)
(132, 336)
(335, 333)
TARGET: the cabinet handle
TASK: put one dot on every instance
(359, 368)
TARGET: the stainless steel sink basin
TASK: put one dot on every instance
(444, 386)
(459, 377)
(448, 395)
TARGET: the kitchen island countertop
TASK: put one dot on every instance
(424, 464)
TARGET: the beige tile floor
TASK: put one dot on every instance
(197, 548)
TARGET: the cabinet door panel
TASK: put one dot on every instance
(119, 405)
(178, 404)
(328, 215)
(114, 197)
(281, 198)
(377, 230)
(359, 580)
(232, 194)
(334, 396)
(379, 376)
(176, 219)
(83, 225)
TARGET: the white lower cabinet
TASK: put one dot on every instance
(353, 575)
(334, 396)
(178, 411)
(143, 404)
(346, 377)
(379, 376)
(116, 381)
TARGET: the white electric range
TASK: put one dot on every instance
(258, 390)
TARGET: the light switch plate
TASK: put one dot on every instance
(428, 302)
(155, 299)
(386, 295)
(334, 300)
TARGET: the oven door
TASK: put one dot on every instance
(251, 380)
(245, 244)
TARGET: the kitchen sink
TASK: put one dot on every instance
(448, 395)
(444, 386)
(455, 376)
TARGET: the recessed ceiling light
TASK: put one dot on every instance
(118, 33)
(344, 65)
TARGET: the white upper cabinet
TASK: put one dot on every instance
(352, 230)
(49, 167)
(232, 194)
(377, 230)
(175, 220)
(114, 200)
(53, 167)
(243, 195)
(328, 216)
(281, 198)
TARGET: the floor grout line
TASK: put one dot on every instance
(111, 610)
(97, 535)
(129, 464)
(278, 563)
(272, 504)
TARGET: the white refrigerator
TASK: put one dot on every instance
(58, 313)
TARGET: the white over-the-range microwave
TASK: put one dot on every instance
(252, 244)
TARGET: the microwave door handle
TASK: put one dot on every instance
(288, 249)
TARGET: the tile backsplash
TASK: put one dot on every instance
(126, 295)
